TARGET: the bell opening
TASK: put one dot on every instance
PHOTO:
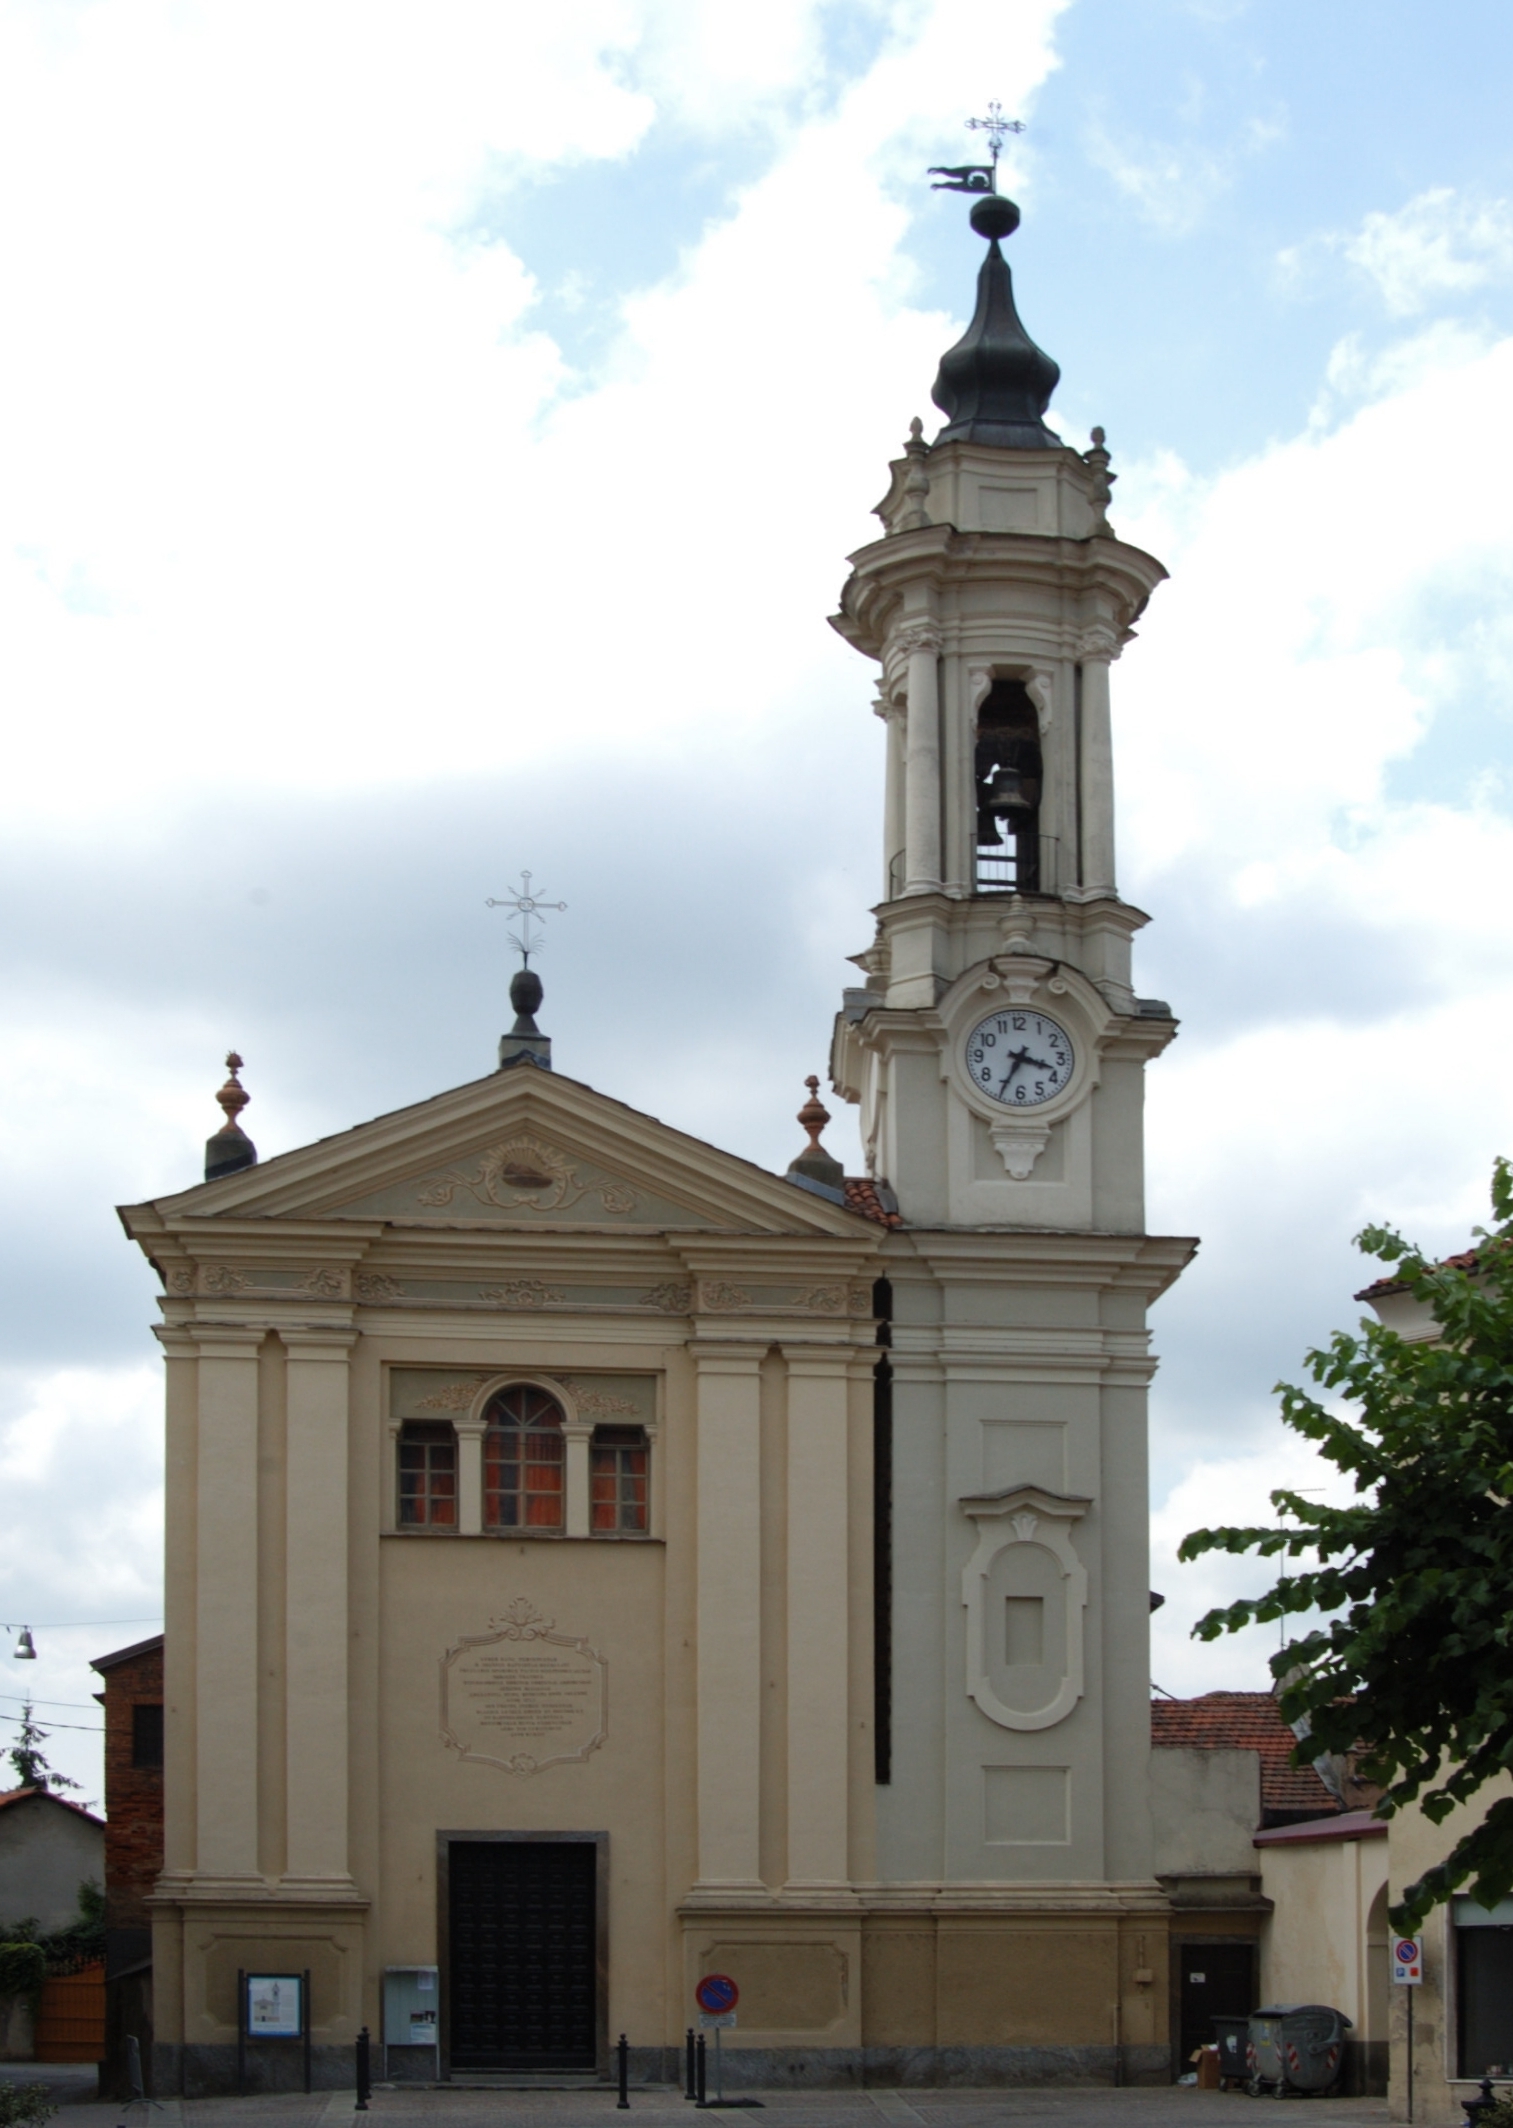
(1008, 774)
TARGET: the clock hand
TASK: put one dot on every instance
(1016, 1058)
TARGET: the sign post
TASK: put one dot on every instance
(717, 1996)
(1408, 1972)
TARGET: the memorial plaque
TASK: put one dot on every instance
(523, 1696)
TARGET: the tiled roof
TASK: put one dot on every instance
(1244, 1721)
(1465, 1260)
(862, 1196)
(1349, 1825)
(20, 1795)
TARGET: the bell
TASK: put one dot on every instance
(25, 1649)
(1011, 792)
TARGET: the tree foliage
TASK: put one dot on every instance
(27, 1757)
(1412, 1666)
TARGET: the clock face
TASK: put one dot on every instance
(1019, 1057)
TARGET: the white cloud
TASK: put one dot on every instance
(1439, 246)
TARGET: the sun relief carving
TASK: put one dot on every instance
(525, 1174)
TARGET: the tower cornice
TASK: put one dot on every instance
(914, 578)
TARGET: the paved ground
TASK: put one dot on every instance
(1064, 2106)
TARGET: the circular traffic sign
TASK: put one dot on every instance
(1405, 1951)
(716, 1993)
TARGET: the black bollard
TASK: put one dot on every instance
(623, 2051)
(690, 2089)
(698, 2072)
(364, 2071)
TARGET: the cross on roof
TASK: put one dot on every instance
(529, 907)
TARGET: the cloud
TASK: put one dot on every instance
(1442, 245)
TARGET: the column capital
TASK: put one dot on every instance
(826, 1362)
(919, 638)
(315, 1341)
(226, 1341)
(712, 1355)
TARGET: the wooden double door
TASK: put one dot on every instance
(523, 1954)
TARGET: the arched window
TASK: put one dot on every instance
(427, 1475)
(523, 1461)
(618, 1481)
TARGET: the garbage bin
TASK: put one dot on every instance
(1296, 2046)
(1232, 2034)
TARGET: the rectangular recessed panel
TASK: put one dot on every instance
(1025, 1806)
(523, 1964)
(1024, 1629)
(1023, 1452)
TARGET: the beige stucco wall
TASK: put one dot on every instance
(1414, 1844)
(1326, 1939)
(1205, 1807)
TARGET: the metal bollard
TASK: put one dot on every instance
(364, 2071)
(690, 2089)
(698, 2072)
(622, 2103)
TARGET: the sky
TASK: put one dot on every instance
(432, 436)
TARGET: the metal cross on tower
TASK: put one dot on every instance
(979, 177)
(529, 907)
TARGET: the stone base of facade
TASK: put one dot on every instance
(210, 2071)
(924, 2068)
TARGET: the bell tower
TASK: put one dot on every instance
(997, 1050)
(994, 605)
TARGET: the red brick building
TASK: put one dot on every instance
(133, 1703)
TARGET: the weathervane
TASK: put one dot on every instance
(979, 177)
(529, 906)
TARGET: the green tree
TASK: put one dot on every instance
(1408, 1659)
(26, 1756)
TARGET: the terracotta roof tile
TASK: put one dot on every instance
(862, 1196)
(20, 1795)
(1463, 1260)
(1244, 1721)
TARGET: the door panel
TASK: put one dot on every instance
(523, 1969)
(1215, 1980)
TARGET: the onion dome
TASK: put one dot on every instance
(995, 383)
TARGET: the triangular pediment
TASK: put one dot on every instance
(524, 1149)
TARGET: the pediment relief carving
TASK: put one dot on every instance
(526, 1173)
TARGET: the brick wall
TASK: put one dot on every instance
(133, 1794)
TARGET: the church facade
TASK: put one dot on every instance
(594, 1562)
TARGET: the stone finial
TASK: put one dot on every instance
(1103, 485)
(814, 1163)
(230, 1149)
(916, 480)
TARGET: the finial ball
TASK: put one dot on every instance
(994, 216)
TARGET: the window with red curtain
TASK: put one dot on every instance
(523, 1461)
(427, 1475)
(618, 1481)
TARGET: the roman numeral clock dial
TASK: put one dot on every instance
(1020, 1058)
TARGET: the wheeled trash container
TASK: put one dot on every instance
(1296, 2046)
(1233, 2036)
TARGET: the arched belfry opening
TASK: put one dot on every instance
(1008, 775)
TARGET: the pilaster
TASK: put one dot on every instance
(225, 1700)
(729, 1666)
(818, 1612)
(317, 1626)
